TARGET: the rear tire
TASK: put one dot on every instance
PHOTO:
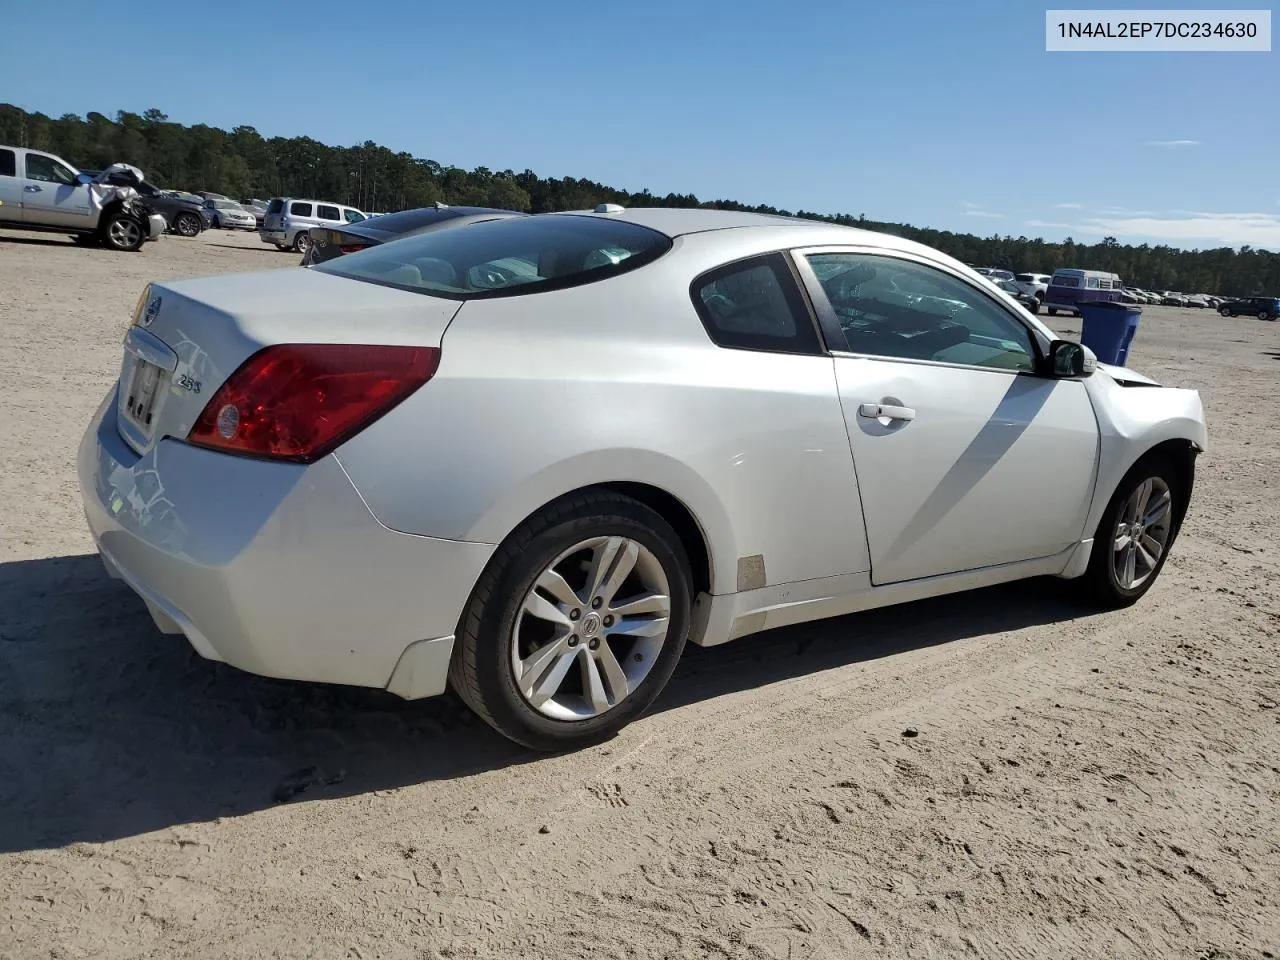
(302, 242)
(560, 700)
(1137, 517)
(1052, 312)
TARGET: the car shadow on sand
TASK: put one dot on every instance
(51, 240)
(112, 729)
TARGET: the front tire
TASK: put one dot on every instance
(186, 225)
(577, 623)
(1034, 306)
(124, 233)
(1263, 315)
(1135, 534)
(1053, 312)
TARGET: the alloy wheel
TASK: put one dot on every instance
(125, 232)
(1142, 533)
(591, 628)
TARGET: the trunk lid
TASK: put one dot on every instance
(191, 335)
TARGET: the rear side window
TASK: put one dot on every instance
(297, 209)
(275, 206)
(503, 258)
(755, 304)
(8, 163)
(326, 212)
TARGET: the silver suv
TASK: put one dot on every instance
(288, 220)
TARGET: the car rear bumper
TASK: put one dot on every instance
(278, 237)
(277, 569)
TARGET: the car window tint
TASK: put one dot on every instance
(326, 212)
(755, 304)
(300, 209)
(275, 206)
(8, 163)
(1066, 281)
(48, 170)
(508, 257)
(899, 308)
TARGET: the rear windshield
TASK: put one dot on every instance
(407, 220)
(508, 257)
(1027, 277)
(275, 206)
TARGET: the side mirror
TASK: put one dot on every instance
(1068, 359)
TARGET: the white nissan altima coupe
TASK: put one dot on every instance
(532, 458)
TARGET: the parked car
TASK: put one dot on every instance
(1036, 284)
(258, 208)
(229, 215)
(206, 195)
(1069, 287)
(1028, 300)
(1171, 298)
(288, 221)
(328, 243)
(183, 215)
(995, 273)
(1264, 308)
(41, 191)
(360, 498)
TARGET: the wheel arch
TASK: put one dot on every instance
(669, 487)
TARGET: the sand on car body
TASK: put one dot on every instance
(1079, 785)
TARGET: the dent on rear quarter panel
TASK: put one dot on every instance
(540, 395)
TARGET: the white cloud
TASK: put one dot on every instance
(1171, 143)
(1068, 206)
(1053, 224)
(984, 213)
(1193, 229)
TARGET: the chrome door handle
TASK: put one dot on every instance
(32, 188)
(877, 411)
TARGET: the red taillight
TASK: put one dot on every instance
(352, 247)
(298, 401)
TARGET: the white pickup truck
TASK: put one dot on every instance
(39, 191)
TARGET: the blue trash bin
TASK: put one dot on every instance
(1107, 329)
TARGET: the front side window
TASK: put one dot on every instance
(300, 209)
(755, 304)
(888, 307)
(352, 216)
(326, 212)
(1065, 282)
(517, 255)
(48, 170)
(8, 163)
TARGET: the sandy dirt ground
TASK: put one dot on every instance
(1080, 786)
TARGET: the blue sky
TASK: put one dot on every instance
(938, 114)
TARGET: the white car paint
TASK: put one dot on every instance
(356, 568)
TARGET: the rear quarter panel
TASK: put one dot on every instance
(540, 395)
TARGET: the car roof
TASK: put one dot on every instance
(785, 231)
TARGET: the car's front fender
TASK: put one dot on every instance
(1134, 419)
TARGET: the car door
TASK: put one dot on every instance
(10, 187)
(52, 196)
(966, 456)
